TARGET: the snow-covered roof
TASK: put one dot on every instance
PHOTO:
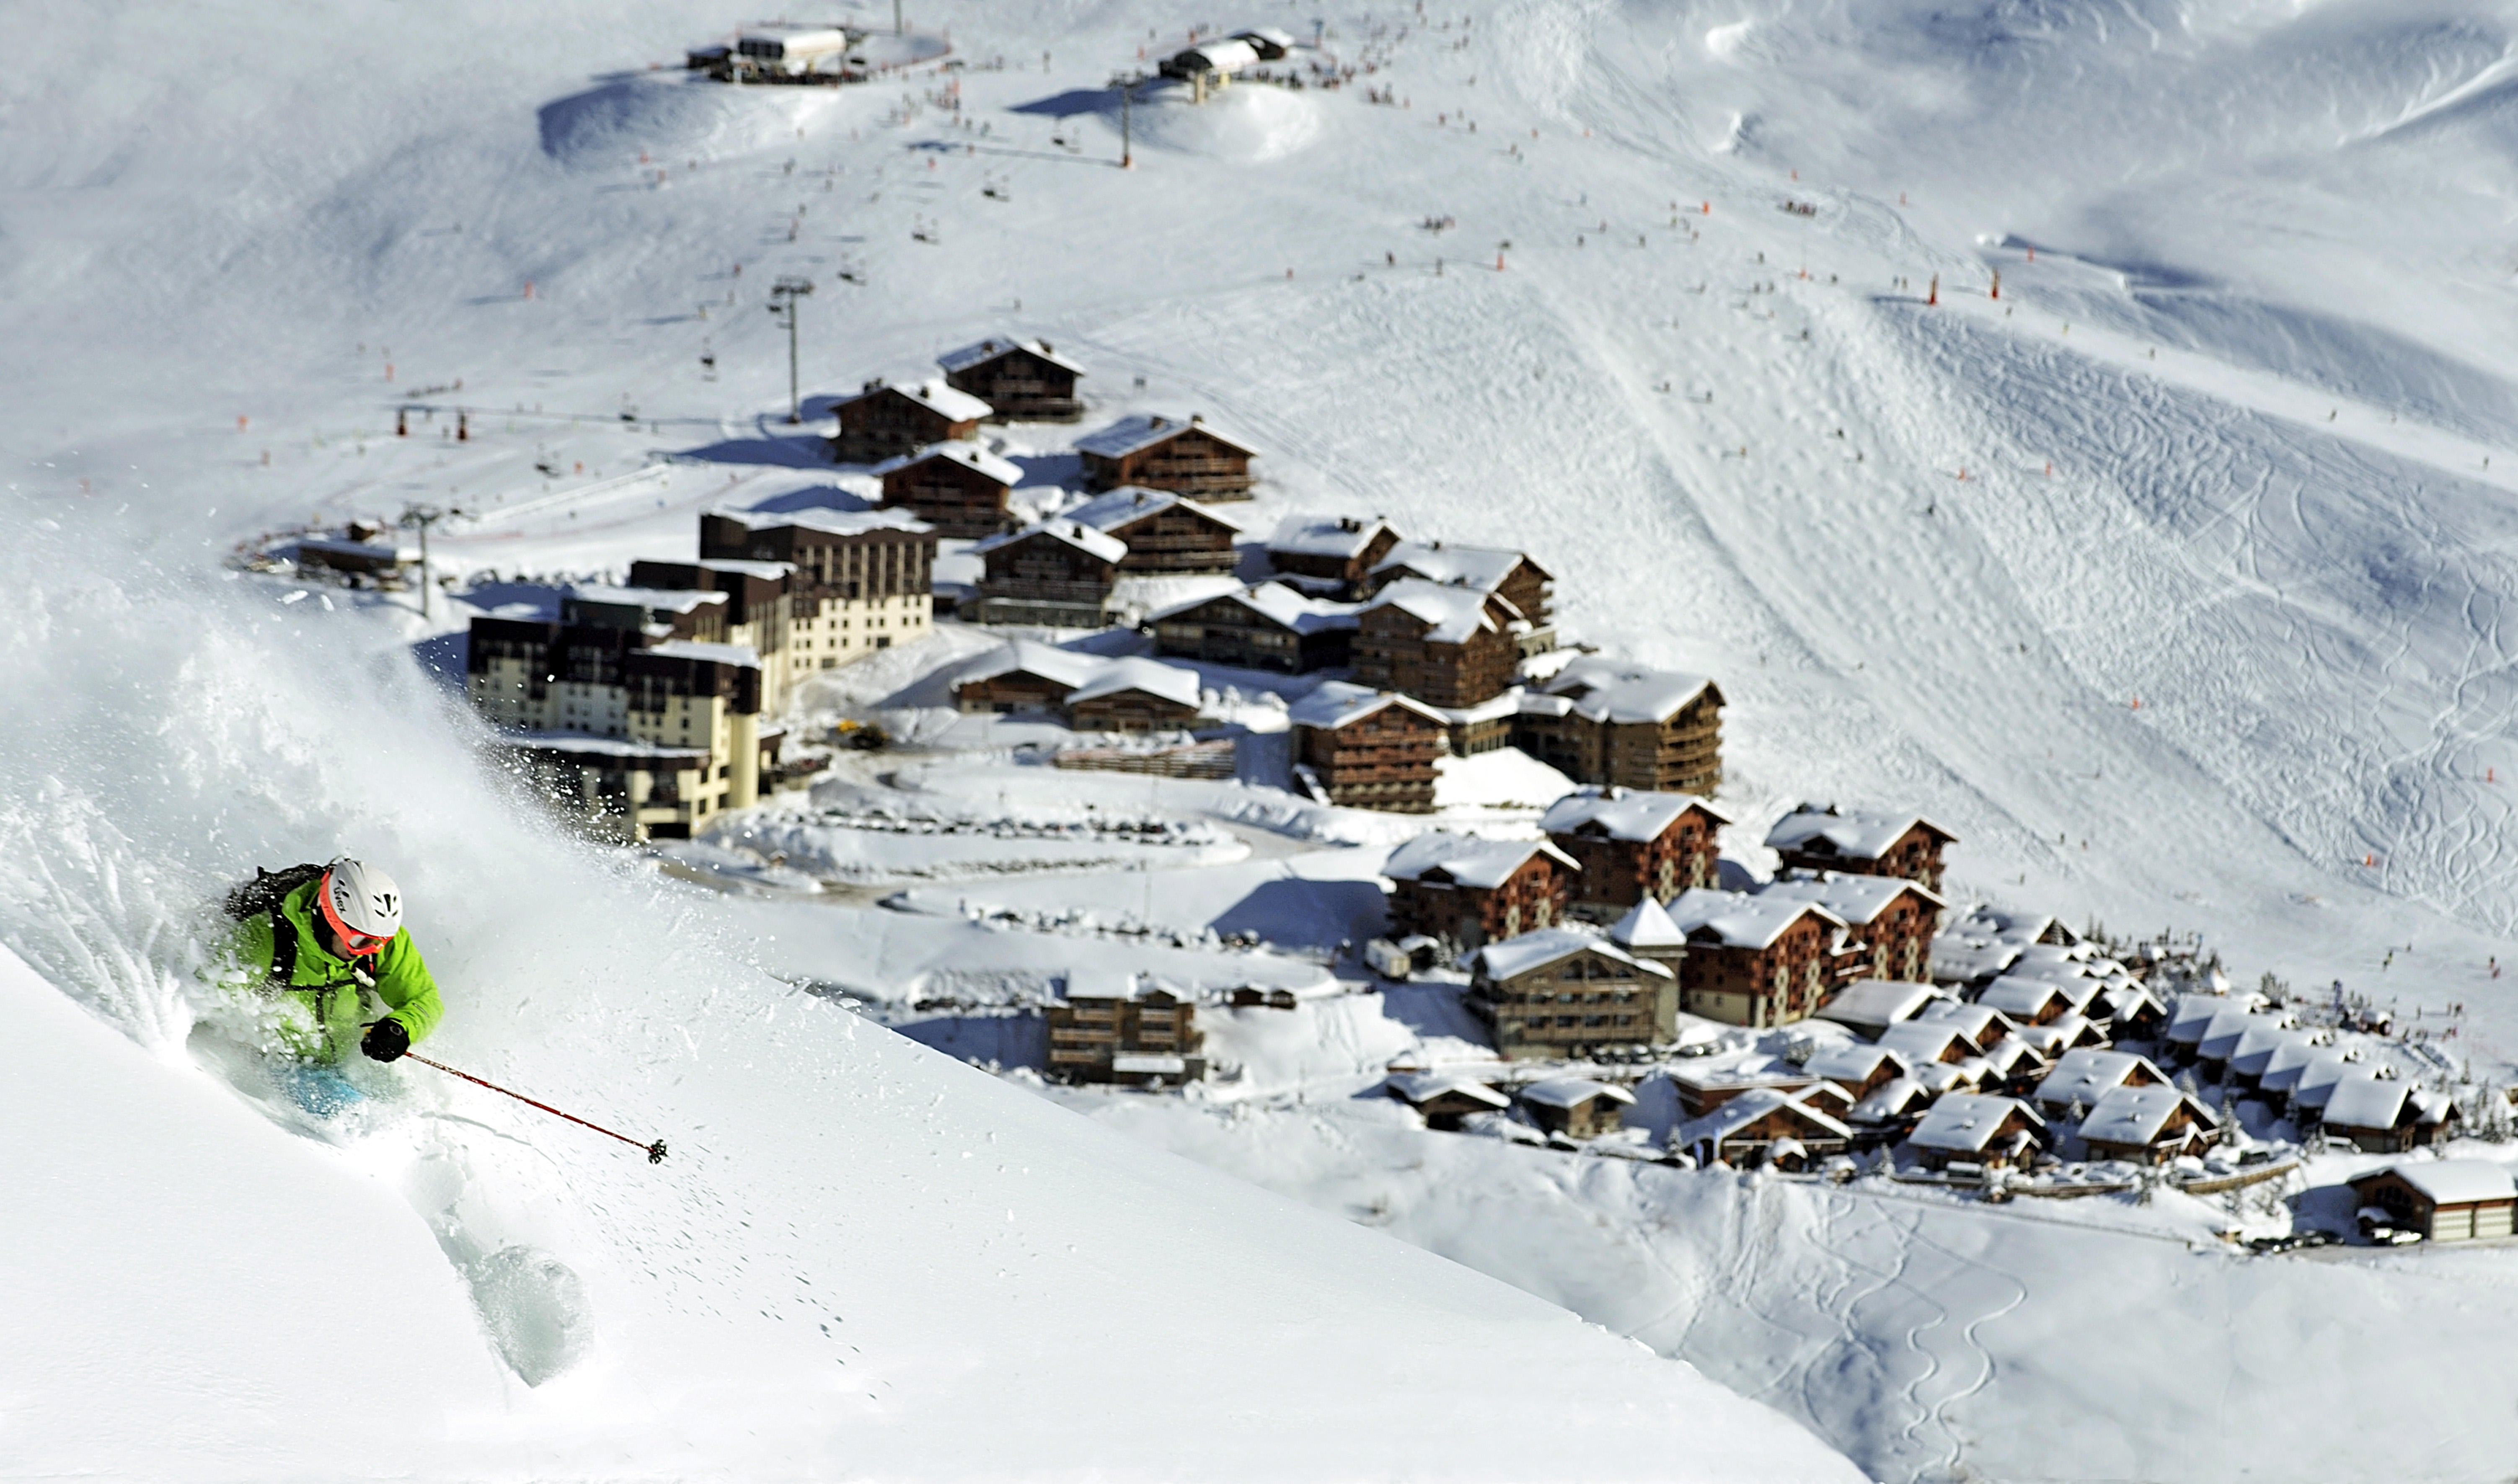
(1982, 1025)
(1925, 1040)
(2137, 1115)
(1481, 567)
(969, 455)
(1623, 814)
(1893, 1098)
(2281, 1070)
(1858, 900)
(2004, 1056)
(982, 352)
(1647, 924)
(1100, 982)
(1228, 55)
(2366, 1100)
(2021, 998)
(1961, 958)
(957, 406)
(1422, 1087)
(1344, 537)
(1612, 690)
(838, 522)
(1275, 36)
(586, 745)
(663, 600)
(1514, 957)
(1030, 656)
(1965, 1123)
(2074, 992)
(1467, 860)
(1336, 703)
(2056, 1036)
(1280, 605)
(1154, 1063)
(1738, 1112)
(712, 654)
(1870, 1003)
(1855, 833)
(1573, 1093)
(2450, 1182)
(770, 570)
(1084, 539)
(2081, 1074)
(1131, 435)
(1737, 919)
(1853, 1062)
(1457, 613)
(1151, 676)
(2326, 1070)
(1135, 502)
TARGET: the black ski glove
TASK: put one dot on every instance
(385, 1040)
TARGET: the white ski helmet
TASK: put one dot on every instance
(362, 904)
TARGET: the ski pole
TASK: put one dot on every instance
(655, 1151)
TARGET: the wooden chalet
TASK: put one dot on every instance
(1442, 1100)
(1869, 1006)
(1268, 627)
(1449, 646)
(886, 421)
(2080, 1076)
(1557, 992)
(2442, 1200)
(1865, 842)
(1633, 845)
(2028, 1002)
(1368, 749)
(1763, 1126)
(1700, 1093)
(1509, 574)
(1922, 1041)
(1188, 458)
(1330, 555)
(960, 488)
(2387, 1114)
(1977, 1128)
(1024, 678)
(1475, 891)
(1896, 919)
(1754, 960)
(1021, 380)
(1576, 1107)
(1859, 1070)
(1120, 1028)
(1600, 722)
(1168, 534)
(2148, 1126)
(1135, 695)
(1055, 573)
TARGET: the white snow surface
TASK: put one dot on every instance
(1934, 555)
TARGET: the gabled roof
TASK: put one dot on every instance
(1853, 1062)
(1515, 956)
(1467, 860)
(2228, 1035)
(2022, 998)
(961, 451)
(1574, 1092)
(1981, 1023)
(1455, 613)
(663, 600)
(1736, 919)
(1867, 1003)
(840, 523)
(2367, 1101)
(1647, 924)
(1738, 1112)
(2081, 1074)
(1167, 681)
(1925, 1040)
(1228, 55)
(1084, 539)
(1967, 1123)
(1031, 657)
(2138, 1114)
(1422, 1088)
(1855, 833)
(982, 352)
(957, 406)
(1484, 569)
(1610, 691)
(2449, 1182)
(1858, 900)
(1336, 703)
(2057, 1035)
(1279, 604)
(1132, 434)
(1623, 814)
(1344, 537)
(1130, 503)
(1893, 1098)
(2328, 1069)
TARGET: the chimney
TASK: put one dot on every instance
(1047, 349)
(1140, 497)
(1197, 417)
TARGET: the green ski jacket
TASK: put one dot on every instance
(326, 1009)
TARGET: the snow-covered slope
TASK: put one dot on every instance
(860, 1258)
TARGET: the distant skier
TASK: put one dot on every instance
(320, 940)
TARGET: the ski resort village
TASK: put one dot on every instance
(1528, 740)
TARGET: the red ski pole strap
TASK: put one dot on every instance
(655, 1151)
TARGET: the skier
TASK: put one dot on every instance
(320, 939)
